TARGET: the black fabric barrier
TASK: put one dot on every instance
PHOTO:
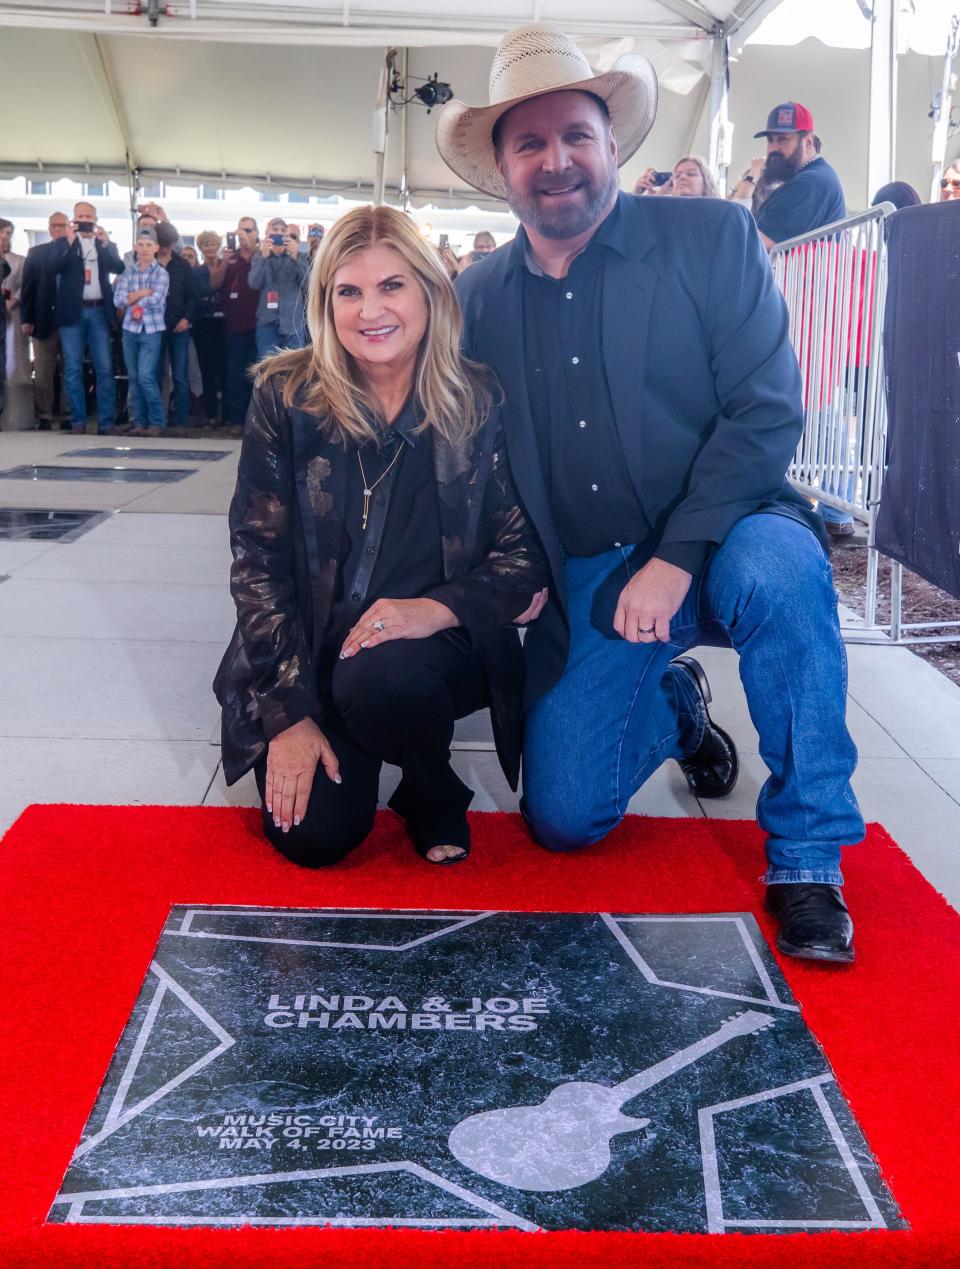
(918, 522)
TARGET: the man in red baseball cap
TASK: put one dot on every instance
(811, 194)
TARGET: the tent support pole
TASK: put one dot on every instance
(404, 139)
(941, 111)
(719, 108)
(882, 145)
(381, 125)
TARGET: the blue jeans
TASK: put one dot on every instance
(141, 352)
(619, 711)
(93, 330)
(176, 347)
(269, 340)
(241, 354)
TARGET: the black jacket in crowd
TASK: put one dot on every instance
(66, 261)
(38, 290)
(182, 296)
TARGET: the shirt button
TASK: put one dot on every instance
(370, 550)
(583, 422)
(617, 544)
(594, 488)
(379, 500)
(355, 597)
(569, 295)
(575, 360)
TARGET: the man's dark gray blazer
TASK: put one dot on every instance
(704, 382)
(38, 290)
(66, 260)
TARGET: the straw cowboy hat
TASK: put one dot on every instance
(531, 61)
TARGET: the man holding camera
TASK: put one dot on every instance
(83, 260)
(149, 216)
(231, 278)
(278, 273)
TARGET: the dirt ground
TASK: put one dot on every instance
(921, 602)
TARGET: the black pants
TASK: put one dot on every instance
(211, 345)
(241, 354)
(395, 703)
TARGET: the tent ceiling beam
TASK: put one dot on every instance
(360, 191)
(91, 50)
(747, 17)
(279, 24)
(693, 12)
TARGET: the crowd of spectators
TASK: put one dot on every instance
(208, 314)
(164, 315)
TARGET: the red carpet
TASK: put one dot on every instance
(84, 892)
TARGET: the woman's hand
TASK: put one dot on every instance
(537, 605)
(292, 759)
(397, 619)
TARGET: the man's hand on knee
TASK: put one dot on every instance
(292, 760)
(649, 600)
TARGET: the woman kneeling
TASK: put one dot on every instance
(381, 559)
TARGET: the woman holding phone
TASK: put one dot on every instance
(381, 558)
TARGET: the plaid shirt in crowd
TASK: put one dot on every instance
(133, 279)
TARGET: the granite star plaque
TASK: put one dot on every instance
(466, 1069)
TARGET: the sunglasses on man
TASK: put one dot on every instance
(947, 182)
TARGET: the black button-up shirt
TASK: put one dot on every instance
(593, 501)
(399, 555)
(594, 504)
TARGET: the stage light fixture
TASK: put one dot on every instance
(430, 93)
(433, 93)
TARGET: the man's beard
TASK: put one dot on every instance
(780, 167)
(564, 222)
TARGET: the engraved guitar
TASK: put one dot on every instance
(564, 1142)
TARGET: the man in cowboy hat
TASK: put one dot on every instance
(653, 405)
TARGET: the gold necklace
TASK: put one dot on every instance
(368, 488)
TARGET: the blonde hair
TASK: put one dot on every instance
(709, 184)
(207, 235)
(455, 394)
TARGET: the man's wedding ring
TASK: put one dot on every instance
(641, 630)
(379, 625)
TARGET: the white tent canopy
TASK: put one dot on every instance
(253, 93)
(257, 93)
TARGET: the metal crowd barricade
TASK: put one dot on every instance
(834, 283)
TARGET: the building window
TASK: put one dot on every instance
(294, 197)
(213, 192)
(152, 189)
(38, 187)
(269, 197)
(95, 189)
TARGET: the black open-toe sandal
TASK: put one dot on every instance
(447, 859)
(425, 840)
(427, 830)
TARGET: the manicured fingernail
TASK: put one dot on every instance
(364, 644)
(276, 822)
(269, 809)
(337, 779)
(286, 828)
(296, 821)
